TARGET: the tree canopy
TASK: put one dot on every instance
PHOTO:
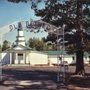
(6, 45)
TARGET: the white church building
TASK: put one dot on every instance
(23, 55)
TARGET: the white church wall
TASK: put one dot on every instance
(27, 58)
(54, 60)
(22, 62)
(86, 60)
(21, 39)
(69, 60)
(38, 58)
(20, 33)
(16, 61)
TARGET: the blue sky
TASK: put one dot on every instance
(11, 12)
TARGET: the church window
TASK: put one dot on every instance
(20, 56)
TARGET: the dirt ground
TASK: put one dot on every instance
(42, 78)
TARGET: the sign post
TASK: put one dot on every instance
(61, 64)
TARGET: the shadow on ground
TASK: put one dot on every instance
(36, 79)
(80, 81)
(42, 80)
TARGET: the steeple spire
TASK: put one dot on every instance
(20, 35)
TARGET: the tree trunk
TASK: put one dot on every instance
(80, 62)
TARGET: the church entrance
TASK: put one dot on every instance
(20, 58)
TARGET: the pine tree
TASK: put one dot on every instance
(75, 14)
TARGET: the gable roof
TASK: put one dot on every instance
(21, 47)
(18, 48)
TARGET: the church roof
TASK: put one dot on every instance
(19, 48)
(56, 52)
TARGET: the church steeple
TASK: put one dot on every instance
(20, 35)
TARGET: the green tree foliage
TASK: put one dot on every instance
(6, 45)
(37, 44)
(13, 45)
